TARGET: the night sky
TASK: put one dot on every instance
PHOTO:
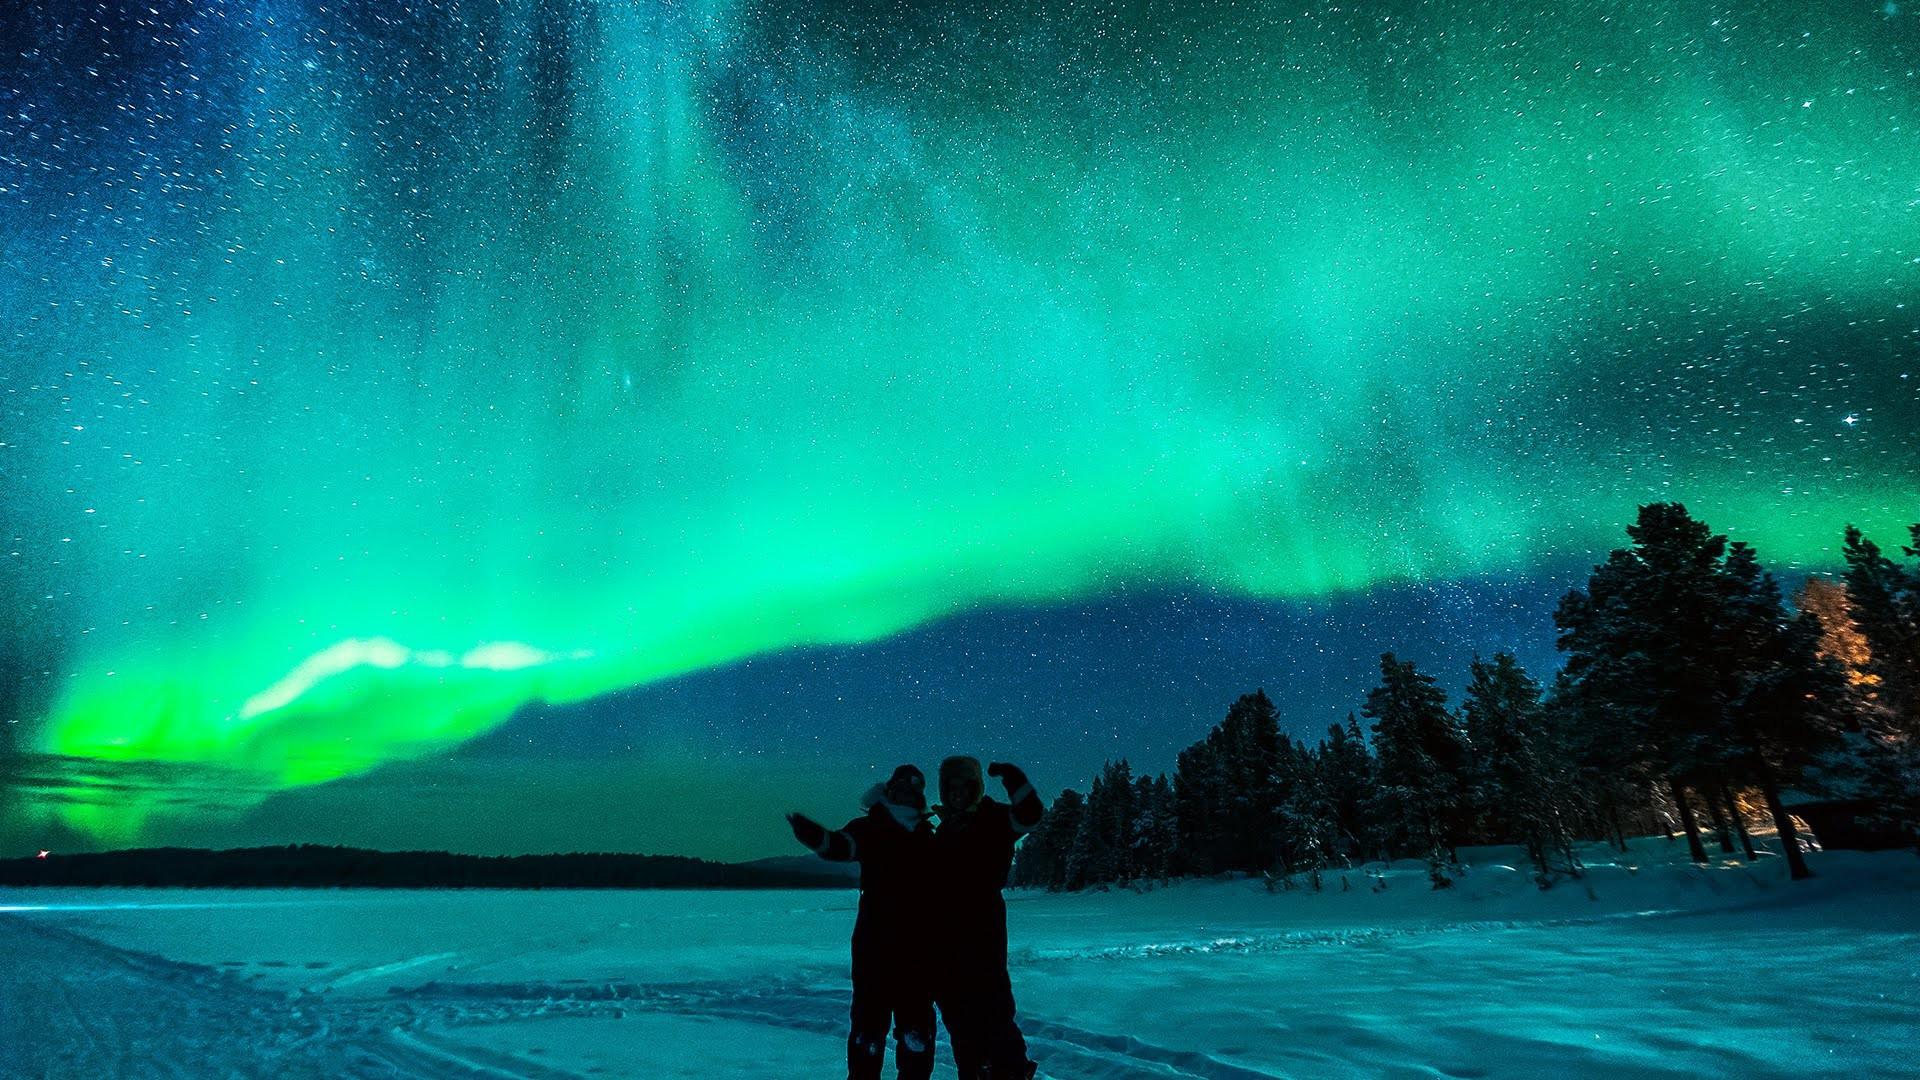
(559, 424)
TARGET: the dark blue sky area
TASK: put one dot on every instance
(1061, 689)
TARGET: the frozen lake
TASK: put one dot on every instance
(1650, 969)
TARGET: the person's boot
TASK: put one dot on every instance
(913, 1055)
(865, 1054)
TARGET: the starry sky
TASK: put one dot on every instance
(564, 424)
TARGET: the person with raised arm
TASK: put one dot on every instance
(973, 851)
(892, 842)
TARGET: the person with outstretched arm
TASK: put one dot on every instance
(892, 842)
(973, 851)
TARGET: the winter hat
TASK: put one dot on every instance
(905, 788)
(962, 770)
(908, 785)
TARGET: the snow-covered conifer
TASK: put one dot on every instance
(1422, 754)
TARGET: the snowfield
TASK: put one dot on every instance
(1649, 968)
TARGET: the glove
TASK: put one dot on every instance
(808, 831)
(1010, 775)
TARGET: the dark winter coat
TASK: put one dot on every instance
(973, 853)
(895, 866)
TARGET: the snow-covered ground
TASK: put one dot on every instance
(1649, 968)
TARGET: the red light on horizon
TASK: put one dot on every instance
(43, 854)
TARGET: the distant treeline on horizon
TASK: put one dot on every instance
(320, 866)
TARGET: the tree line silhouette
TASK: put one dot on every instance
(324, 866)
(1692, 693)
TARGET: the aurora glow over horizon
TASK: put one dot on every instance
(373, 372)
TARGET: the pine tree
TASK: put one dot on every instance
(1155, 830)
(1117, 822)
(1227, 791)
(1309, 831)
(1249, 744)
(1612, 778)
(1042, 859)
(1102, 848)
(1346, 770)
(1198, 789)
(1644, 655)
(1521, 771)
(1090, 856)
(1885, 601)
(1789, 704)
(1086, 860)
(1422, 758)
(1840, 640)
(1878, 610)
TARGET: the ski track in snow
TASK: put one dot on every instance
(1309, 939)
(76, 1006)
(810, 1007)
(360, 975)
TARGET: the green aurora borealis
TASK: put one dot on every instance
(369, 376)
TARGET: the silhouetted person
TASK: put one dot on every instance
(892, 843)
(973, 850)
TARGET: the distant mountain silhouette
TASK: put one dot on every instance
(316, 866)
(807, 866)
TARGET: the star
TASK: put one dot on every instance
(1850, 419)
(43, 854)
